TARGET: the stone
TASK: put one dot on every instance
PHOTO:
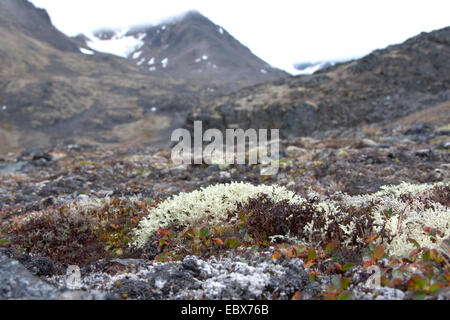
(224, 175)
(180, 168)
(295, 151)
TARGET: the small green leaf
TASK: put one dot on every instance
(233, 243)
(344, 296)
(427, 255)
(435, 288)
(420, 295)
(418, 281)
(312, 255)
(345, 283)
(204, 232)
(348, 266)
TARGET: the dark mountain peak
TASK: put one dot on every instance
(34, 22)
(23, 12)
(193, 47)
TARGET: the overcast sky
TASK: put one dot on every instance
(281, 32)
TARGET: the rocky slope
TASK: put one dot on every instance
(50, 92)
(54, 89)
(399, 82)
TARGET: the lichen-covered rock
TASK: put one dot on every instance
(17, 283)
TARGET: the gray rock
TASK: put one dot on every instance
(13, 167)
(225, 175)
(180, 168)
(18, 283)
(295, 151)
(212, 168)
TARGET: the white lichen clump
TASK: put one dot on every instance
(211, 205)
(416, 215)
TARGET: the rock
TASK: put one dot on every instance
(366, 143)
(18, 283)
(190, 264)
(293, 151)
(386, 293)
(423, 153)
(419, 129)
(180, 168)
(212, 168)
(42, 155)
(438, 174)
(42, 266)
(82, 197)
(225, 175)
(13, 167)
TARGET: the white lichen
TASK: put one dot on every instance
(210, 204)
(407, 219)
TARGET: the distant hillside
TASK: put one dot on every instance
(54, 89)
(380, 88)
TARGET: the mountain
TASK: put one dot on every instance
(55, 89)
(403, 81)
(188, 47)
(51, 92)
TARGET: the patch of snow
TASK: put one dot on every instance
(151, 61)
(313, 67)
(220, 30)
(137, 54)
(165, 62)
(154, 109)
(198, 60)
(120, 45)
(214, 66)
(163, 27)
(87, 52)
(310, 70)
(140, 62)
(4, 107)
(205, 57)
(152, 69)
(263, 71)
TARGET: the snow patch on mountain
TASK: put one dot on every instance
(87, 52)
(165, 62)
(120, 44)
(137, 54)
